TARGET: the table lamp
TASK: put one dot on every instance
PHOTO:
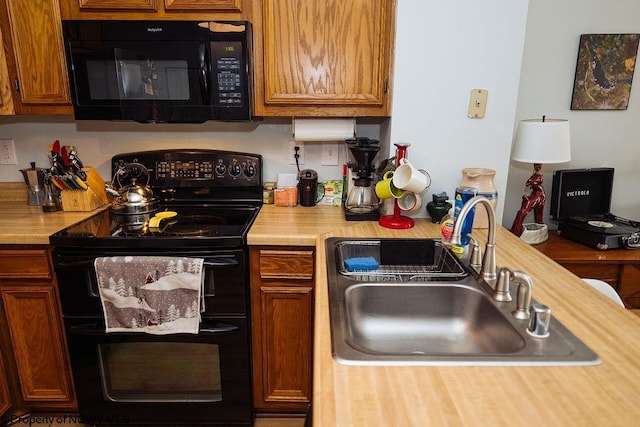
(538, 141)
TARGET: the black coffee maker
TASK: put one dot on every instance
(308, 187)
(362, 203)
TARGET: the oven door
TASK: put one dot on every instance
(162, 379)
(226, 280)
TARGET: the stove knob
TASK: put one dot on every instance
(250, 170)
(235, 170)
(221, 169)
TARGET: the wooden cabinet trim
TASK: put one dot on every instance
(222, 5)
(6, 100)
(118, 4)
(5, 397)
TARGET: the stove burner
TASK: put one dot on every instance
(194, 225)
(181, 226)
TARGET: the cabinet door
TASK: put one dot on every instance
(36, 37)
(6, 101)
(5, 398)
(323, 58)
(286, 340)
(36, 337)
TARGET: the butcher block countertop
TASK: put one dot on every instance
(604, 395)
(22, 224)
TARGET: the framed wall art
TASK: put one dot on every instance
(604, 71)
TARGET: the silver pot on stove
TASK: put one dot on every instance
(133, 204)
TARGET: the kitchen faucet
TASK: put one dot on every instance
(488, 269)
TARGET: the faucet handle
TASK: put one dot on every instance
(539, 320)
(523, 297)
(476, 253)
(501, 292)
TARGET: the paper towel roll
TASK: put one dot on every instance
(323, 129)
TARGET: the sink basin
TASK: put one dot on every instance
(442, 317)
(437, 319)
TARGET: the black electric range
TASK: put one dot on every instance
(215, 195)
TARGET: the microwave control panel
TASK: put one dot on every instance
(229, 73)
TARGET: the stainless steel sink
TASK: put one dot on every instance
(438, 320)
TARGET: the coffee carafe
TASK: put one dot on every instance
(35, 179)
(362, 203)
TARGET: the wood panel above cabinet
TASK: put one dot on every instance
(317, 58)
(155, 9)
(33, 47)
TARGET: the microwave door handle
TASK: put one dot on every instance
(203, 58)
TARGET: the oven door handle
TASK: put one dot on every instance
(220, 262)
(209, 262)
(97, 330)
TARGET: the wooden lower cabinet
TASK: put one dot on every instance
(282, 286)
(31, 332)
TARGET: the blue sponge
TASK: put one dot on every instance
(361, 264)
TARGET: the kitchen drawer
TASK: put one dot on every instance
(25, 264)
(286, 264)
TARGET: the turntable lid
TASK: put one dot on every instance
(579, 192)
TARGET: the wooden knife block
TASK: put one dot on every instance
(86, 200)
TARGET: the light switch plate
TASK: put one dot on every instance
(329, 154)
(478, 103)
(7, 152)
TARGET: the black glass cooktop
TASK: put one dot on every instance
(191, 226)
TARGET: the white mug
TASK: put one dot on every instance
(408, 178)
(410, 202)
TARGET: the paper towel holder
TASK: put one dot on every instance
(322, 129)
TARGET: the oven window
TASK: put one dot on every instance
(160, 372)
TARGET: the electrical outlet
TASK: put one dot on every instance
(329, 154)
(292, 152)
(7, 152)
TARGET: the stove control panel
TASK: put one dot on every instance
(196, 168)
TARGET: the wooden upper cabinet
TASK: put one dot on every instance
(6, 100)
(37, 66)
(315, 58)
(170, 5)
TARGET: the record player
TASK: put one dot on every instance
(581, 201)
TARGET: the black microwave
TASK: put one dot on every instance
(159, 71)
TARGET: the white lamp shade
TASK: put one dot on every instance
(539, 141)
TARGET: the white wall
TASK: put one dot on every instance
(443, 50)
(598, 138)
